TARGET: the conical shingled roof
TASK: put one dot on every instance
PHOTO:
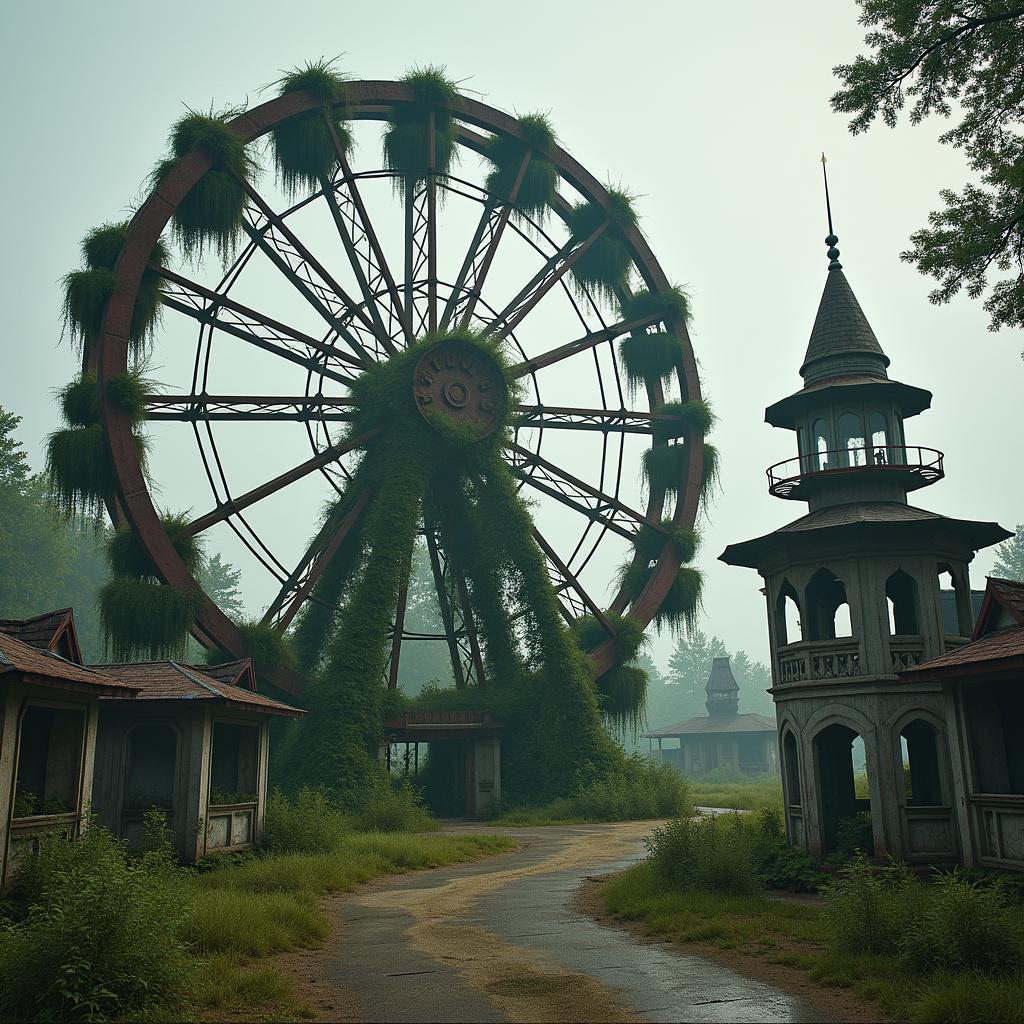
(842, 341)
(721, 679)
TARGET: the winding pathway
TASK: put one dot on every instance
(499, 940)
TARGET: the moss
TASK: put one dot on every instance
(695, 414)
(648, 358)
(130, 393)
(540, 182)
(80, 470)
(211, 214)
(682, 603)
(665, 466)
(622, 692)
(79, 402)
(143, 618)
(649, 542)
(269, 649)
(712, 471)
(128, 558)
(629, 635)
(406, 138)
(304, 148)
(86, 291)
(669, 305)
(604, 268)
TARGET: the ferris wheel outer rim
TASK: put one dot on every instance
(134, 501)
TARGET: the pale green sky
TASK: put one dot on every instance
(714, 114)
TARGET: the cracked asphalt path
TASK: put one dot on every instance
(499, 940)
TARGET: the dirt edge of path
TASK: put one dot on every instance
(834, 1004)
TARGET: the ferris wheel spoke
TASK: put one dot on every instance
(444, 604)
(250, 408)
(394, 661)
(554, 269)
(572, 581)
(590, 501)
(206, 306)
(228, 508)
(623, 421)
(480, 255)
(584, 344)
(324, 560)
(369, 255)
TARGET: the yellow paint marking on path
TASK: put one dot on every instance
(522, 983)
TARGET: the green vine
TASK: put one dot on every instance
(605, 266)
(540, 181)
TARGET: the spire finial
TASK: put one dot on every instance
(832, 238)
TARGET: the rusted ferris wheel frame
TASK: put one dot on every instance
(373, 100)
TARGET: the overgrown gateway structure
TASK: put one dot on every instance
(854, 592)
(473, 316)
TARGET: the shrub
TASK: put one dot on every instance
(711, 852)
(629, 635)
(854, 835)
(649, 542)
(100, 938)
(309, 824)
(622, 694)
(393, 806)
(963, 926)
(867, 910)
(648, 358)
(128, 559)
(143, 617)
(665, 466)
(606, 264)
(695, 414)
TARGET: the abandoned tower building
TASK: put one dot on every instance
(858, 593)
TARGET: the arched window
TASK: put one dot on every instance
(152, 759)
(827, 608)
(791, 766)
(822, 443)
(851, 439)
(919, 741)
(843, 790)
(880, 439)
(787, 616)
(901, 597)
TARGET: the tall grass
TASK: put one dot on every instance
(741, 793)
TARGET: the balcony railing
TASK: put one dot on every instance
(905, 652)
(819, 659)
(922, 466)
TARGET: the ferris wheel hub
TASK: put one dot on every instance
(461, 384)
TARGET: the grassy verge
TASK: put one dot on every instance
(798, 935)
(96, 934)
(241, 914)
(644, 789)
(743, 795)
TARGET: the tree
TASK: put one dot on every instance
(968, 57)
(222, 582)
(753, 679)
(1010, 557)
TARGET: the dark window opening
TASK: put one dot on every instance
(49, 761)
(901, 597)
(787, 616)
(791, 763)
(828, 611)
(234, 763)
(844, 794)
(152, 758)
(995, 725)
(920, 743)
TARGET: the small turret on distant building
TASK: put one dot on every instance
(856, 590)
(724, 739)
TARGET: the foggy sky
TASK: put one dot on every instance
(715, 115)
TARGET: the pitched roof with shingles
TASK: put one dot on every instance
(842, 340)
(1010, 594)
(980, 654)
(44, 631)
(858, 517)
(238, 673)
(48, 669)
(716, 724)
(167, 680)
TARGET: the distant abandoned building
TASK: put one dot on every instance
(855, 595)
(723, 739)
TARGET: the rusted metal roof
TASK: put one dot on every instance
(46, 631)
(48, 669)
(717, 724)
(167, 680)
